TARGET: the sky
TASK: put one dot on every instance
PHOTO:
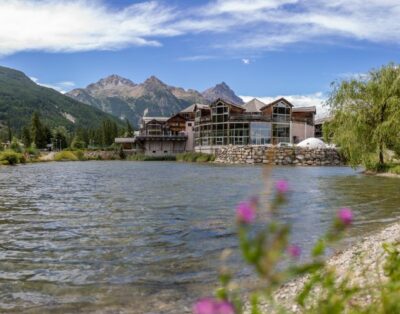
(260, 48)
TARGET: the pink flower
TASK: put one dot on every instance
(213, 306)
(205, 306)
(345, 216)
(224, 307)
(282, 186)
(245, 212)
(294, 251)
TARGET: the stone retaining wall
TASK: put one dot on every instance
(278, 155)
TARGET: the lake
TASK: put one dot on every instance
(145, 237)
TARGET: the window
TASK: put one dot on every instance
(260, 133)
(281, 132)
(281, 112)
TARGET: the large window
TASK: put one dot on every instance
(260, 133)
(281, 112)
(281, 133)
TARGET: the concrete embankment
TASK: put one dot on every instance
(279, 156)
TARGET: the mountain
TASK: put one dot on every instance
(20, 97)
(222, 91)
(124, 99)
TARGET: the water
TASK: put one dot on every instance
(145, 237)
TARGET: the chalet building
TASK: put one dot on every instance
(255, 123)
(206, 127)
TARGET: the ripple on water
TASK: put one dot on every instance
(103, 235)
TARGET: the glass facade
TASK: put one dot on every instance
(218, 125)
(260, 133)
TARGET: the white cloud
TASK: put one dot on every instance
(84, 25)
(246, 61)
(80, 25)
(316, 99)
(61, 87)
(197, 58)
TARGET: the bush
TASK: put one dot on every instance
(65, 155)
(80, 155)
(195, 157)
(395, 169)
(10, 157)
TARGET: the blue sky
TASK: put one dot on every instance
(263, 48)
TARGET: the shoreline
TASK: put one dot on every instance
(365, 255)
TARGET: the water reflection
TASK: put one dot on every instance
(145, 237)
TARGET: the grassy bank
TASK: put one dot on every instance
(10, 157)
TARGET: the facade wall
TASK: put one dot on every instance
(301, 131)
(189, 131)
(163, 148)
(278, 156)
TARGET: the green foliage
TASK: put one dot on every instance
(60, 136)
(65, 156)
(26, 137)
(325, 291)
(16, 145)
(129, 129)
(195, 157)
(10, 157)
(20, 97)
(366, 115)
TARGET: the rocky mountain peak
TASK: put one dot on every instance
(114, 80)
(223, 91)
(153, 80)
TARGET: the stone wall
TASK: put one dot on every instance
(278, 156)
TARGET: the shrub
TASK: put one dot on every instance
(80, 155)
(65, 155)
(395, 169)
(10, 157)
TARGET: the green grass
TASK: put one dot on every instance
(395, 169)
(10, 157)
(195, 157)
(66, 155)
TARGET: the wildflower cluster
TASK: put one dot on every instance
(276, 261)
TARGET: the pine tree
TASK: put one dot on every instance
(38, 132)
(26, 137)
(129, 129)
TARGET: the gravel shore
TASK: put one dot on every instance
(365, 256)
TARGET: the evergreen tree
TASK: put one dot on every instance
(60, 135)
(26, 137)
(38, 132)
(129, 129)
(9, 132)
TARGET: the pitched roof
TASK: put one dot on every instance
(254, 105)
(194, 107)
(276, 102)
(226, 102)
(305, 109)
(159, 119)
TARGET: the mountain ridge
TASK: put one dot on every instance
(123, 98)
(20, 97)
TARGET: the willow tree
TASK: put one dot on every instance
(366, 116)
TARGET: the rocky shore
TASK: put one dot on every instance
(299, 156)
(365, 257)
